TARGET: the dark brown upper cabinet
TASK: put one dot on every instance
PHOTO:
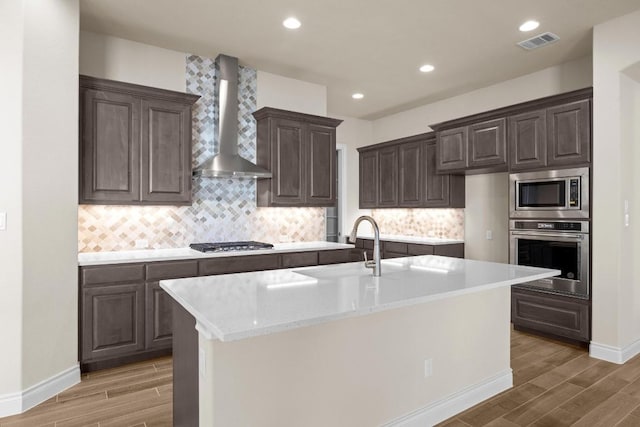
(488, 144)
(528, 140)
(388, 177)
(402, 174)
(439, 190)
(368, 191)
(452, 149)
(135, 144)
(411, 161)
(546, 133)
(569, 134)
(300, 151)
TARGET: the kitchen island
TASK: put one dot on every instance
(334, 345)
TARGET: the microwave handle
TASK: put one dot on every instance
(560, 235)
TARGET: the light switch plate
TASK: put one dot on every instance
(3, 221)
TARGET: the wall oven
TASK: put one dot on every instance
(562, 193)
(561, 245)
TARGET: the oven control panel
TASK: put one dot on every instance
(575, 226)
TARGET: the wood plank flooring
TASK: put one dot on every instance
(133, 395)
(555, 384)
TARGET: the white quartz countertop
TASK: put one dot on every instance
(237, 306)
(149, 255)
(412, 239)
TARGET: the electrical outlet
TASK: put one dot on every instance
(142, 244)
(489, 235)
(428, 367)
(3, 221)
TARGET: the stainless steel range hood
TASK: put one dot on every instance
(228, 163)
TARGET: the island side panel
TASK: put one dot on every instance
(366, 370)
(185, 368)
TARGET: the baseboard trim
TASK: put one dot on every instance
(614, 354)
(454, 404)
(17, 403)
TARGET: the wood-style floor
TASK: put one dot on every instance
(133, 395)
(555, 384)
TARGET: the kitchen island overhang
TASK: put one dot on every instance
(335, 346)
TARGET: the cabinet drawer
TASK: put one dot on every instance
(455, 250)
(238, 264)
(171, 270)
(414, 249)
(367, 243)
(301, 259)
(389, 254)
(552, 314)
(111, 274)
(334, 257)
(398, 247)
(359, 243)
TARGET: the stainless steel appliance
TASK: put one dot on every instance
(562, 193)
(230, 246)
(562, 245)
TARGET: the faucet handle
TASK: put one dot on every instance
(365, 256)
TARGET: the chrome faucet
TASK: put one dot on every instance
(375, 262)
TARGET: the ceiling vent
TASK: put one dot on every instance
(539, 41)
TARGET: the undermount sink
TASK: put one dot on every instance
(353, 269)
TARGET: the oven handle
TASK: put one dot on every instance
(545, 235)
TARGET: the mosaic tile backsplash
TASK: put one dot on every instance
(223, 209)
(442, 223)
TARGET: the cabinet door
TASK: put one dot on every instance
(455, 250)
(411, 174)
(487, 144)
(528, 140)
(436, 187)
(158, 317)
(321, 185)
(289, 168)
(112, 320)
(368, 194)
(388, 177)
(452, 149)
(551, 314)
(109, 148)
(569, 134)
(166, 152)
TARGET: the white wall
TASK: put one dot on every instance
(11, 44)
(352, 133)
(291, 94)
(40, 171)
(486, 195)
(114, 58)
(616, 178)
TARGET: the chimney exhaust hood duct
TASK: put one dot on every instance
(228, 163)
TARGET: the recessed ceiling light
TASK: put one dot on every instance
(529, 25)
(357, 96)
(427, 68)
(291, 23)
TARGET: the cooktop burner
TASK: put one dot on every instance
(230, 246)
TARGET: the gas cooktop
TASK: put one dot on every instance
(230, 246)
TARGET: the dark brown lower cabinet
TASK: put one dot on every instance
(391, 249)
(158, 316)
(120, 329)
(125, 316)
(551, 314)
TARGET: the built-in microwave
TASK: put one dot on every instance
(562, 193)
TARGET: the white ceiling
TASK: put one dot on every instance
(369, 46)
